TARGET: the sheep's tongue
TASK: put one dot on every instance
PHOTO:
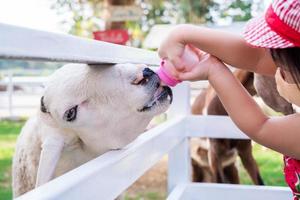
(158, 92)
(155, 97)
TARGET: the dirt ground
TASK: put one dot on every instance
(153, 184)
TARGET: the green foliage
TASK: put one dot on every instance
(236, 10)
(79, 16)
(85, 15)
(82, 17)
(243, 7)
(196, 12)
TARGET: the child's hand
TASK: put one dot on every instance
(172, 47)
(208, 65)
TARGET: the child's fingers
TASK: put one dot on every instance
(186, 76)
(199, 52)
(178, 64)
(161, 53)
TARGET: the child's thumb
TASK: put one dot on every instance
(186, 76)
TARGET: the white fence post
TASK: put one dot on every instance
(181, 100)
(10, 90)
(179, 163)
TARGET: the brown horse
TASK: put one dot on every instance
(213, 160)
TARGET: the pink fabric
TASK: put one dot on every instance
(292, 175)
(280, 28)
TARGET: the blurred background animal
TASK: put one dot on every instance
(213, 160)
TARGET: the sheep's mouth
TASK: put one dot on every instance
(162, 94)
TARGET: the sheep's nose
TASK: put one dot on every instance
(147, 73)
(144, 77)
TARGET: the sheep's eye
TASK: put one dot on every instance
(70, 115)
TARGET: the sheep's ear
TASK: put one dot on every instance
(42, 106)
(45, 114)
(52, 147)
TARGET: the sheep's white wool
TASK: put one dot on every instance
(106, 106)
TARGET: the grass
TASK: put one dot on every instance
(8, 135)
(270, 164)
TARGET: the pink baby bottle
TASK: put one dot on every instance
(189, 59)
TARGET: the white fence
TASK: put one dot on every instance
(108, 175)
(21, 96)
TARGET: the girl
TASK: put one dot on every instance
(270, 46)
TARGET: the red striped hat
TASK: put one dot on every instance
(279, 28)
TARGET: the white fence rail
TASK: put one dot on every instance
(21, 96)
(23, 43)
(108, 175)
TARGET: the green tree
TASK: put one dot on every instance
(79, 16)
(236, 10)
(197, 12)
(84, 16)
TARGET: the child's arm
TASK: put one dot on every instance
(228, 47)
(281, 133)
